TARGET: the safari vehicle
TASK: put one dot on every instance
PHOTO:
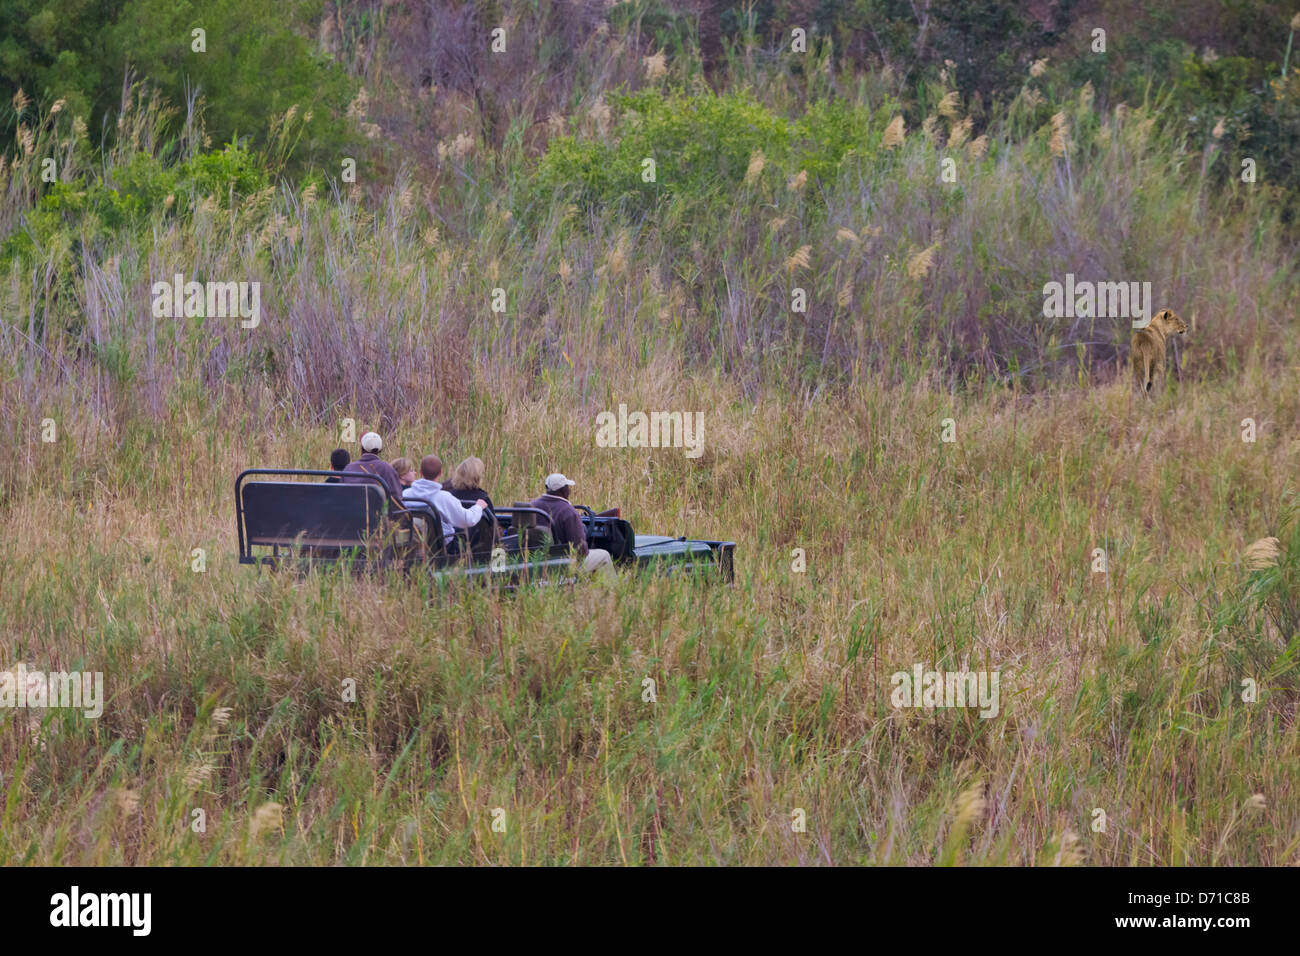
(295, 517)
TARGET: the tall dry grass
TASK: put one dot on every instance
(370, 309)
(1122, 691)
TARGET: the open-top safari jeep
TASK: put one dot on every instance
(294, 516)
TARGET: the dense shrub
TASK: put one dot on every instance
(136, 191)
(702, 146)
(257, 63)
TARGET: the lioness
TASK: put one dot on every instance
(1147, 352)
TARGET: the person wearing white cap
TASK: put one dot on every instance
(558, 484)
(567, 527)
(371, 464)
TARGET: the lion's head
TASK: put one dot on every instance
(1169, 322)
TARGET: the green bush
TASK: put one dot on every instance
(702, 145)
(258, 62)
(1247, 110)
(136, 193)
(233, 171)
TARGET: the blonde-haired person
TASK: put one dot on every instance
(405, 469)
(466, 485)
(466, 482)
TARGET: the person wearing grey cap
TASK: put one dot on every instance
(567, 527)
(371, 464)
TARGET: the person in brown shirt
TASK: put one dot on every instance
(371, 464)
(567, 527)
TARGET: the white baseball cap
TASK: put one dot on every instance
(371, 441)
(555, 481)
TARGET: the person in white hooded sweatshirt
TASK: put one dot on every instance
(426, 490)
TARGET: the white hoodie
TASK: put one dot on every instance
(447, 506)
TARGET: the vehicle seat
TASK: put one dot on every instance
(529, 529)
